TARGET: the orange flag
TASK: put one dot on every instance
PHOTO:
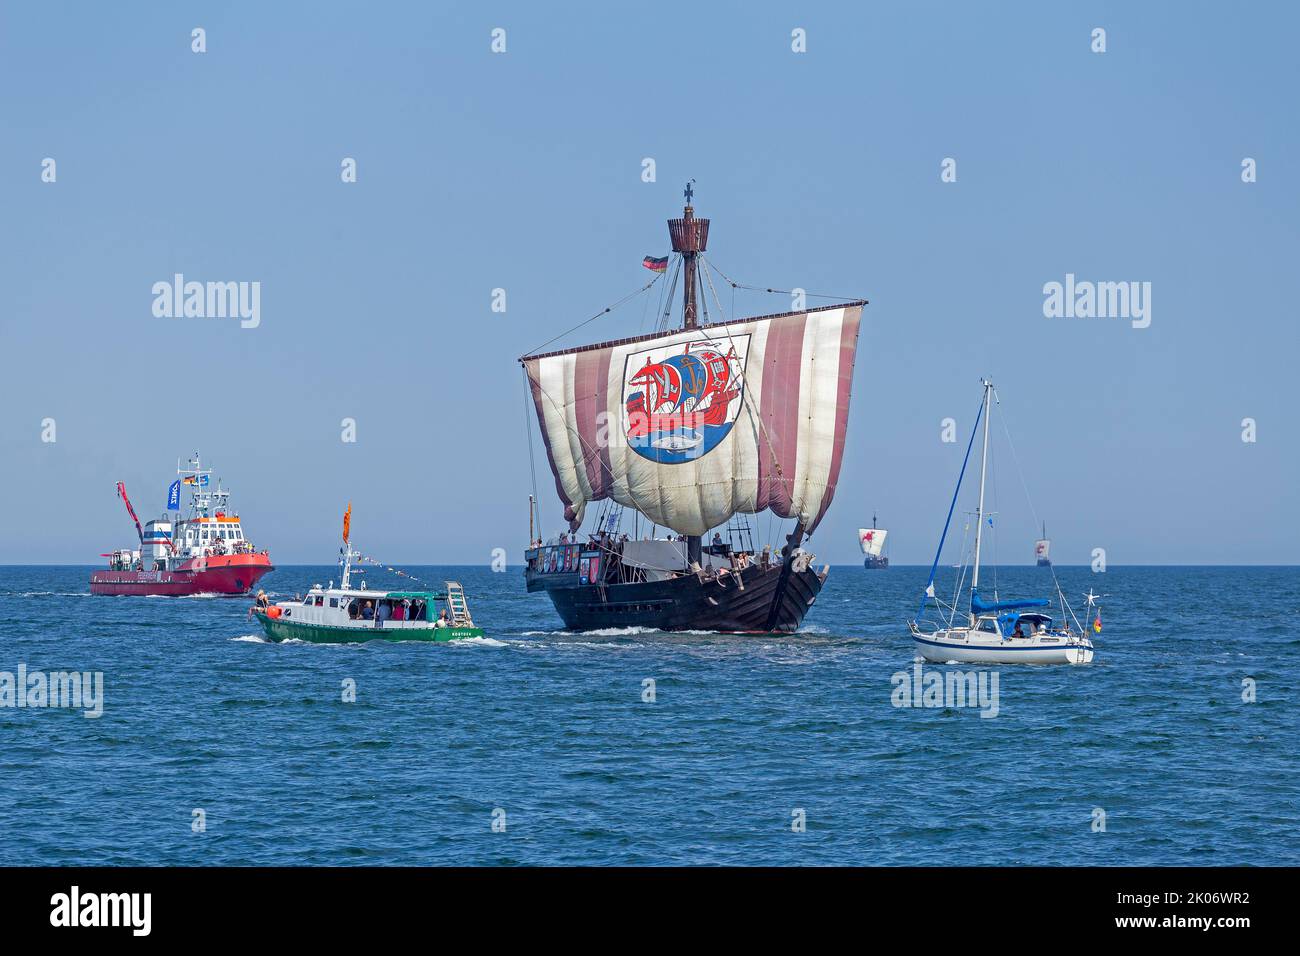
(347, 523)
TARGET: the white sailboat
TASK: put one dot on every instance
(994, 631)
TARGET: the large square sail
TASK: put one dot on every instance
(693, 426)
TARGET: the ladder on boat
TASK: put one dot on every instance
(457, 609)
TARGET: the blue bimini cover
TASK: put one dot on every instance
(979, 606)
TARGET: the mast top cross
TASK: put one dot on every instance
(689, 192)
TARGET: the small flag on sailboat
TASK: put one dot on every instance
(1096, 625)
(929, 590)
(655, 265)
(347, 523)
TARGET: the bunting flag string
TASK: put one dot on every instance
(377, 563)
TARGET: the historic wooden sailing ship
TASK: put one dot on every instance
(689, 427)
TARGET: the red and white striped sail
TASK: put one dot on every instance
(694, 426)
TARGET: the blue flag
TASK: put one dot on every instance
(174, 496)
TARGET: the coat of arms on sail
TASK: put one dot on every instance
(680, 401)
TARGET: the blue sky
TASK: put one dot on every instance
(523, 171)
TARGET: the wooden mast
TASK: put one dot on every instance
(689, 237)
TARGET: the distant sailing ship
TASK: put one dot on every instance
(689, 428)
(873, 545)
(1042, 547)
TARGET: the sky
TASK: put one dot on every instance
(522, 171)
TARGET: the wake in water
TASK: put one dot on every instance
(614, 632)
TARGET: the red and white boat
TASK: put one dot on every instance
(203, 553)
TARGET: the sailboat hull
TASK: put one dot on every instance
(688, 603)
(964, 646)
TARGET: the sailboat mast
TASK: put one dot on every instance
(689, 237)
(984, 467)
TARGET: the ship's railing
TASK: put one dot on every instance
(588, 561)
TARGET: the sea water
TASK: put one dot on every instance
(537, 746)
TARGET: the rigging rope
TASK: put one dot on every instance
(712, 288)
(604, 311)
(753, 288)
(935, 566)
(532, 461)
(1033, 512)
(662, 324)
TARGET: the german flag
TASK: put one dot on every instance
(655, 265)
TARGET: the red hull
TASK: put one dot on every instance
(640, 423)
(224, 574)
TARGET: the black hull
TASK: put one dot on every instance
(688, 603)
(1044, 563)
(876, 563)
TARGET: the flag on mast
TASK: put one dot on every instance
(347, 523)
(655, 265)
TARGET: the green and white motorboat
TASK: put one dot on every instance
(348, 615)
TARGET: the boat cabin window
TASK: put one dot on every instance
(334, 602)
(987, 625)
(320, 601)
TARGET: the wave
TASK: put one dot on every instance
(616, 632)
(480, 641)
